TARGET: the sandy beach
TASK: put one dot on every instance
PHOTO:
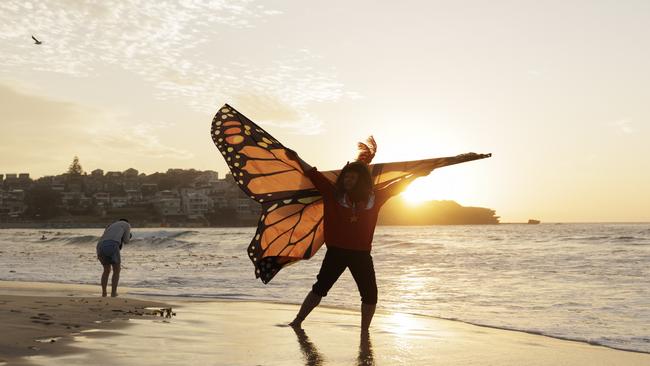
(90, 329)
(43, 318)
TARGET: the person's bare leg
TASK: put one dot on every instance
(311, 301)
(107, 271)
(115, 280)
(367, 311)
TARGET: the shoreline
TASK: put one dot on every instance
(136, 293)
(102, 225)
(119, 322)
(189, 298)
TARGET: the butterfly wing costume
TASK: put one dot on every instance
(290, 227)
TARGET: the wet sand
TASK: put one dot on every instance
(42, 318)
(255, 333)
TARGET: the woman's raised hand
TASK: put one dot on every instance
(292, 155)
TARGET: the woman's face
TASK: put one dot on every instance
(350, 180)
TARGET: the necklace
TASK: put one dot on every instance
(354, 217)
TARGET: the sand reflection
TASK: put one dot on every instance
(309, 351)
(313, 357)
(366, 356)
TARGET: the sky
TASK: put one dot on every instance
(557, 91)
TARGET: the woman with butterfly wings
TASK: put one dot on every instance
(351, 206)
(303, 208)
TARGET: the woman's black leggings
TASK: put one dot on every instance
(362, 269)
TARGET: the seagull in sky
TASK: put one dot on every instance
(36, 41)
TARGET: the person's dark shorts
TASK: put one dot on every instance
(363, 271)
(108, 252)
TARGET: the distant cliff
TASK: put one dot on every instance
(399, 212)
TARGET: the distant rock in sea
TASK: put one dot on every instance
(399, 212)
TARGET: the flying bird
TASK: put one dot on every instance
(36, 41)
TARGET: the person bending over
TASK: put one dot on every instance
(108, 252)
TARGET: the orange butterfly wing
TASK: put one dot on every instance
(258, 162)
(291, 225)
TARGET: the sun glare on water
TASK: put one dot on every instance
(401, 323)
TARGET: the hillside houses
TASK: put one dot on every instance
(176, 196)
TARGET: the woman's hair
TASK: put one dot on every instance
(363, 188)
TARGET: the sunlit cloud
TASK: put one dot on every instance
(623, 126)
(161, 42)
(137, 35)
(534, 74)
(39, 131)
(138, 140)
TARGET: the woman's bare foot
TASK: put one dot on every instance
(296, 323)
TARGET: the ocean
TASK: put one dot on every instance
(585, 282)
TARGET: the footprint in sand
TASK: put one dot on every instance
(42, 322)
(42, 318)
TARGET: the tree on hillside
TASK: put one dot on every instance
(75, 168)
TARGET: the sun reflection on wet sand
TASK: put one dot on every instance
(400, 323)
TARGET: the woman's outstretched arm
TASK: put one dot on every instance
(322, 184)
(303, 164)
(399, 186)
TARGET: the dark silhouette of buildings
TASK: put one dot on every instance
(178, 197)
